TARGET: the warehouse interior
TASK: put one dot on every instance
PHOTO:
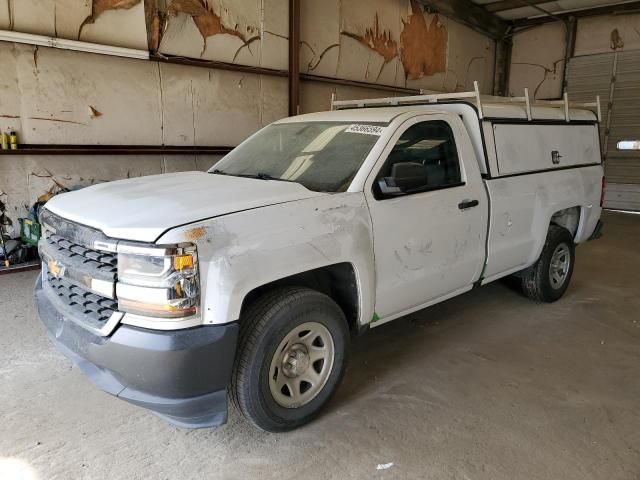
(487, 385)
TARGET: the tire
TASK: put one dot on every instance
(277, 361)
(543, 281)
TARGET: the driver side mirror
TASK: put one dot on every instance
(405, 178)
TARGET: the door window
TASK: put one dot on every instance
(424, 158)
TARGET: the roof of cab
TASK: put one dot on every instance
(372, 115)
(490, 111)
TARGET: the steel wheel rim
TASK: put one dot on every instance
(560, 263)
(301, 365)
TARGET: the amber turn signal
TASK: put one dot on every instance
(183, 262)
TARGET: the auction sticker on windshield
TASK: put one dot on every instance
(366, 129)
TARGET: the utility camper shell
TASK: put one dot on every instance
(501, 133)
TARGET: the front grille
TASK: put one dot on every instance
(104, 263)
(94, 309)
(80, 278)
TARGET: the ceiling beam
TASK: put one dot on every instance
(469, 14)
(503, 5)
(622, 8)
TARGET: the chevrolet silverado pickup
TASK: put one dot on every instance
(178, 291)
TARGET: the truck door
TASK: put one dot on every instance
(429, 212)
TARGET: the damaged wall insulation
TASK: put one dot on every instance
(417, 60)
(393, 42)
(251, 32)
(537, 61)
(111, 22)
(390, 42)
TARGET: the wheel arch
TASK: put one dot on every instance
(568, 218)
(338, 281)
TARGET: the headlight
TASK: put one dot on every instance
(157, 281)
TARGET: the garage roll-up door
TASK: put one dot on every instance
(589, 77)
(616, 78)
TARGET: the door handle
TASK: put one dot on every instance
(468, 204)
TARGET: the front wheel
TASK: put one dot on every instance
(548, 278)
(291, 357)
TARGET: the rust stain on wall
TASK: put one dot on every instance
(98, 7)
(35, 57)
(207, 22)
(155, 21)
(10, 13)
(424, 47)
(616, 40)
(93, 113)
(156, 33)
(378, 41)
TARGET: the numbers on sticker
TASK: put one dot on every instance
(365, 129)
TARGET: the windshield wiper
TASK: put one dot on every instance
(259, 176)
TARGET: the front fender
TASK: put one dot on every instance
(245, 250)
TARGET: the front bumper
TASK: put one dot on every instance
(181, 375)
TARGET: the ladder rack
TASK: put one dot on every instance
(427, 99)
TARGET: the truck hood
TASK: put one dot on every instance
(141, 209)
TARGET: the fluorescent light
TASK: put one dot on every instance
(44, 41)
(579, 9)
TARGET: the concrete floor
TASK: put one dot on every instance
(485, 386)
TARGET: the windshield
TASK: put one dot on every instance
(322, 156)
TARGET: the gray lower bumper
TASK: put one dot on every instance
(181, 375)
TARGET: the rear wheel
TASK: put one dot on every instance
(548, 278)
(291, 357)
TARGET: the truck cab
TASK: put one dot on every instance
(250, 280)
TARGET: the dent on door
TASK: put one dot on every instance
(437, 252)
(428, 244)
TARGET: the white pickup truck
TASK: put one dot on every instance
(174, 291)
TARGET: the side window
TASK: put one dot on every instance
(424, 158)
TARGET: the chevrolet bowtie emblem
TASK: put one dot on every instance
(55, 269)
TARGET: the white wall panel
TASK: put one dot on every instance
(537, 61)
(121, 25)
